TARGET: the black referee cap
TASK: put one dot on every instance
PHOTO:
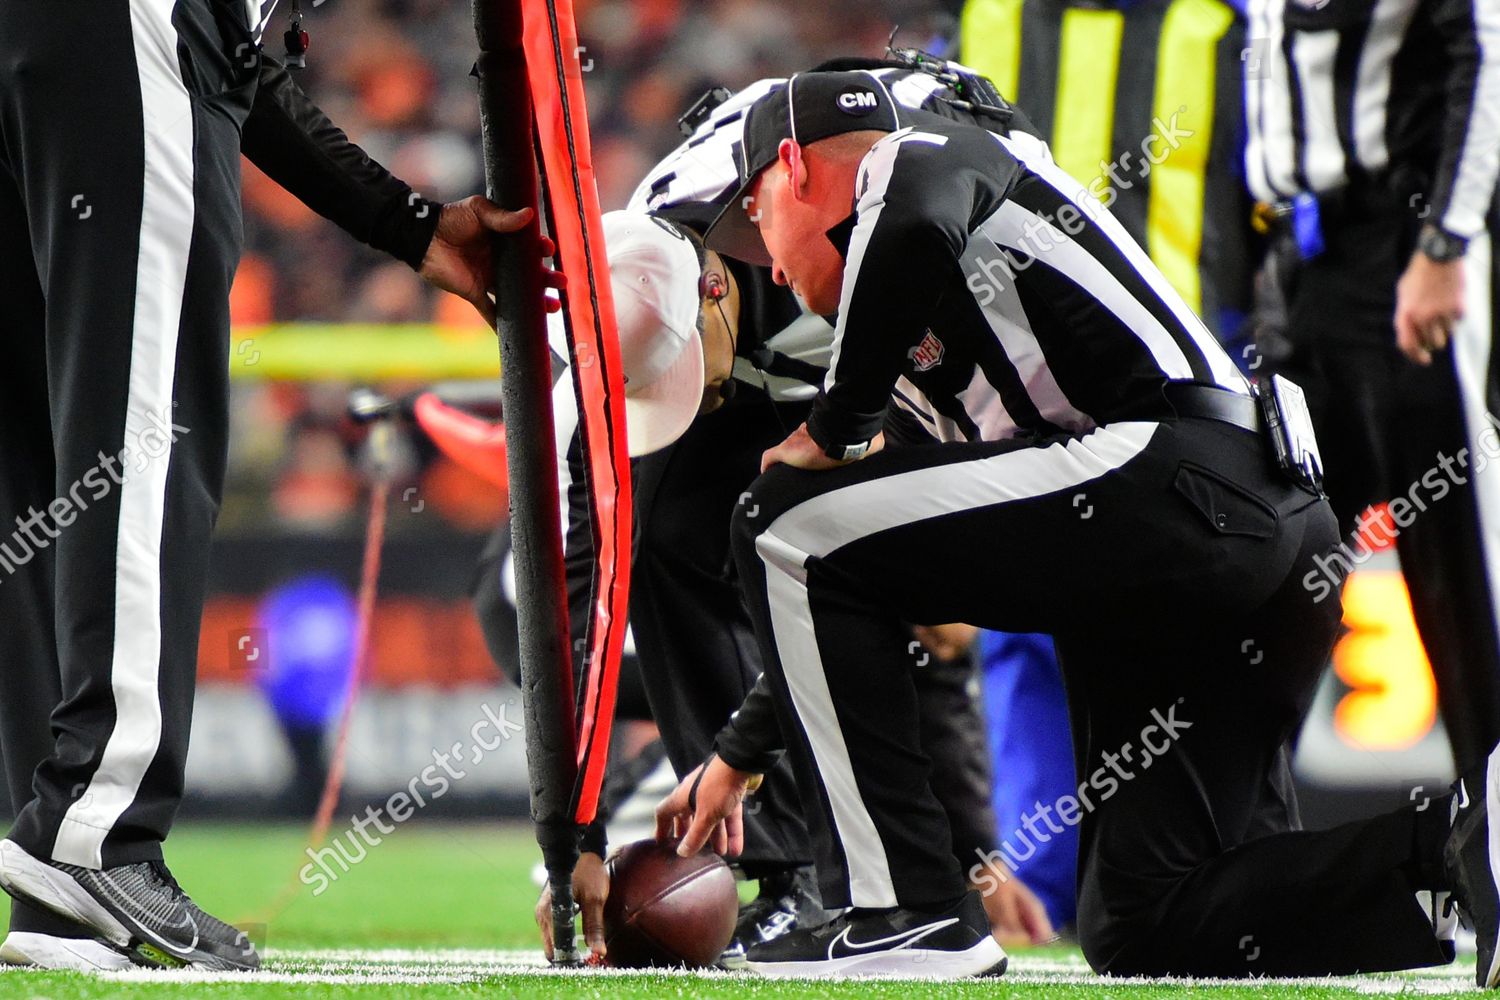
(810, 107)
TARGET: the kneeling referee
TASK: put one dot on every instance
(1104, 475)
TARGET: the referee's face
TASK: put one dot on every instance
(794, 214)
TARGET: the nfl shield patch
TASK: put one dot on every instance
(928, 354)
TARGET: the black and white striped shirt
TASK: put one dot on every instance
(703, 170)
(693, 182)
(1339, 90)
(258, 13)
(995, 297)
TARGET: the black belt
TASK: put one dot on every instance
(1188, 400)
(1378, 193)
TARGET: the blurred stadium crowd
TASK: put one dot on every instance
(395, 75)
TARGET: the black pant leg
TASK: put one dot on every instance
(135, 252)
(697, 650)
(1450, 552)
(1194, 865)
(1191, 641)
(28, 657)
(955, 738)
(833, 562)
(1384, 425)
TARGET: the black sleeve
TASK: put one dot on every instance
(904, 429)
(591, 839)
(578, 559)
(917, 195)
(299, 148)
(751, 741)
(577, 521)
(1470, 154)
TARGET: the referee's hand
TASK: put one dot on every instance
(800, 451)
(458, 258)
(590, 890)
(1429, 304)
(706, 806)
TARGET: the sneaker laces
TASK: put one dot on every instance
(205, 920)
(164, 877)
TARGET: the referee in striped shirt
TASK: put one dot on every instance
(1374, 142)
(121, 128)
(1102, 474)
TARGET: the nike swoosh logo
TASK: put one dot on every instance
(1463, 795)
(891, 943)
(139, 916)
(191, 921)
(183, 953)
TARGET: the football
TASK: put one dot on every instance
(664, 910)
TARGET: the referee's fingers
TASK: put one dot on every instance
(734, 826)
(497, 219)
(486, 307)
(698, 832)
(720, 839)
(1409, 339)
(544, 920)
(666, 821)
(671, 808)
(1437, 334)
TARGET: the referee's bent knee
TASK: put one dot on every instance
(775, 492)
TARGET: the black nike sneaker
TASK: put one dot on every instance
(787, 900)
(1471, 860)
(138, 907)
(951, 944)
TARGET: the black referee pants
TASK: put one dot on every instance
(119, 234)
(696, 646)
(1169, 561)
(1383, 425)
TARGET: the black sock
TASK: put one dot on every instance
(35, 920)
(1430, 828)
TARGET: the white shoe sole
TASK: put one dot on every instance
(1492, 828)
(986, 958)
(37, 882)
(44, 951)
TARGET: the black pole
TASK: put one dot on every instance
(505, 107)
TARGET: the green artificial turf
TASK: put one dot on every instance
(438, 911)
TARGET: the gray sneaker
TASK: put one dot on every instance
(138, 907)
(48, 951)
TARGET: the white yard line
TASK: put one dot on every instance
(405, 967)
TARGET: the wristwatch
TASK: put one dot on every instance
(1440, 246)
(847, 452)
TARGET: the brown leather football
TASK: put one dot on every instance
(663, 910)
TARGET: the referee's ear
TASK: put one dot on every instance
(790, 153)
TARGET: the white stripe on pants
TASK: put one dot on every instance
(825, 523)
(1472, 345)
(161, 274)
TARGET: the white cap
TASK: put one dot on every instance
(655, 274)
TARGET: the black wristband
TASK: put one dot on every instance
(839, 452)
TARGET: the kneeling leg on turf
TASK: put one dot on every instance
(1153, 600)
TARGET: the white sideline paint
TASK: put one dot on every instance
(402, 967)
